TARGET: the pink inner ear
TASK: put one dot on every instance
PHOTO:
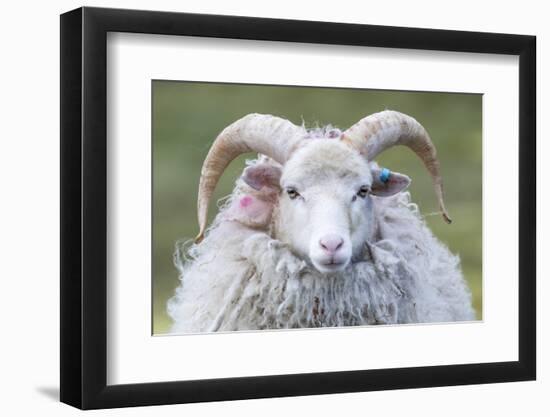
(262, 175)
(396, 183)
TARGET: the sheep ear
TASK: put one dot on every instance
(262, 175)
(386, 183)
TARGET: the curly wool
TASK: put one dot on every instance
(240, 278)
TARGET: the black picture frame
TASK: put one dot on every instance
(84, 207)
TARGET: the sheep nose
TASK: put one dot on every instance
(331, 243)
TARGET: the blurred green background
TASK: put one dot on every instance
(187, 116)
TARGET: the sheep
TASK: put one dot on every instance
(316, 234)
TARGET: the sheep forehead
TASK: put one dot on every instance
(325, 159)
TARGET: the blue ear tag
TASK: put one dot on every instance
(385, 175)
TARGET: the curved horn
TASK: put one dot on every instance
(265, 134)
(380, 131)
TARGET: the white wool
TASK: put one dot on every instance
(240, 278)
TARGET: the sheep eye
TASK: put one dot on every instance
(363, 191)
(292, 193)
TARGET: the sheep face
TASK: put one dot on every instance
(324, 212)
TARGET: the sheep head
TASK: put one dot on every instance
(323, 186)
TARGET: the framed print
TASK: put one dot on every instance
(256, 208)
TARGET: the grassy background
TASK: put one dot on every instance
(188, 116)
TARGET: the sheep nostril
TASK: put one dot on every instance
(331, 243)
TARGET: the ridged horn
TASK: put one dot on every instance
(265, 134)
(374, 134)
